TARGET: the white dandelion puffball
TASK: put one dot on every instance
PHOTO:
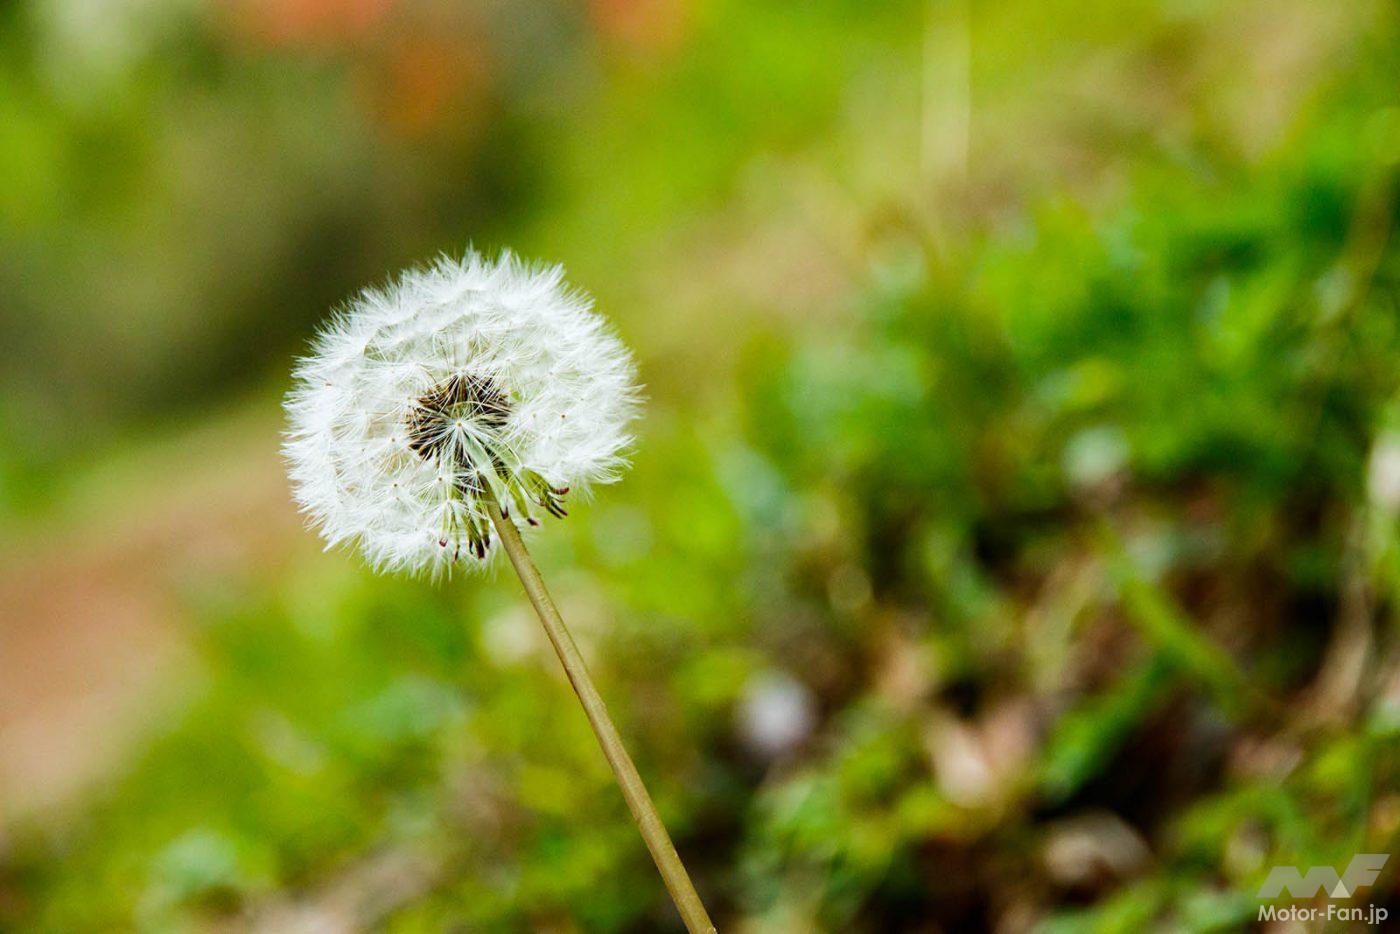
(451, 381)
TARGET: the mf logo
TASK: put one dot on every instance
(1362, 870)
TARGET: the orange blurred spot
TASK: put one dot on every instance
(426, 81)
(293, 22)
(653, 24)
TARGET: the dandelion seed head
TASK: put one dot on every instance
(458, 378)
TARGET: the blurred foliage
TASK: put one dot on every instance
(1015, 589)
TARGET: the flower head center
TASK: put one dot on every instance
(459, 425)
(459, 406)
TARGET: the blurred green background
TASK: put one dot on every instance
(1012, 538)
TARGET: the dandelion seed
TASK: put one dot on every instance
(420, 421)
(420, 395)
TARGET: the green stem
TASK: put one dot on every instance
(663, 851)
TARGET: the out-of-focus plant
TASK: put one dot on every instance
(1103, 484)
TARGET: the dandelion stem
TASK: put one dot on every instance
(658, 841)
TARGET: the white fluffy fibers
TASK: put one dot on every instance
(451, 381)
